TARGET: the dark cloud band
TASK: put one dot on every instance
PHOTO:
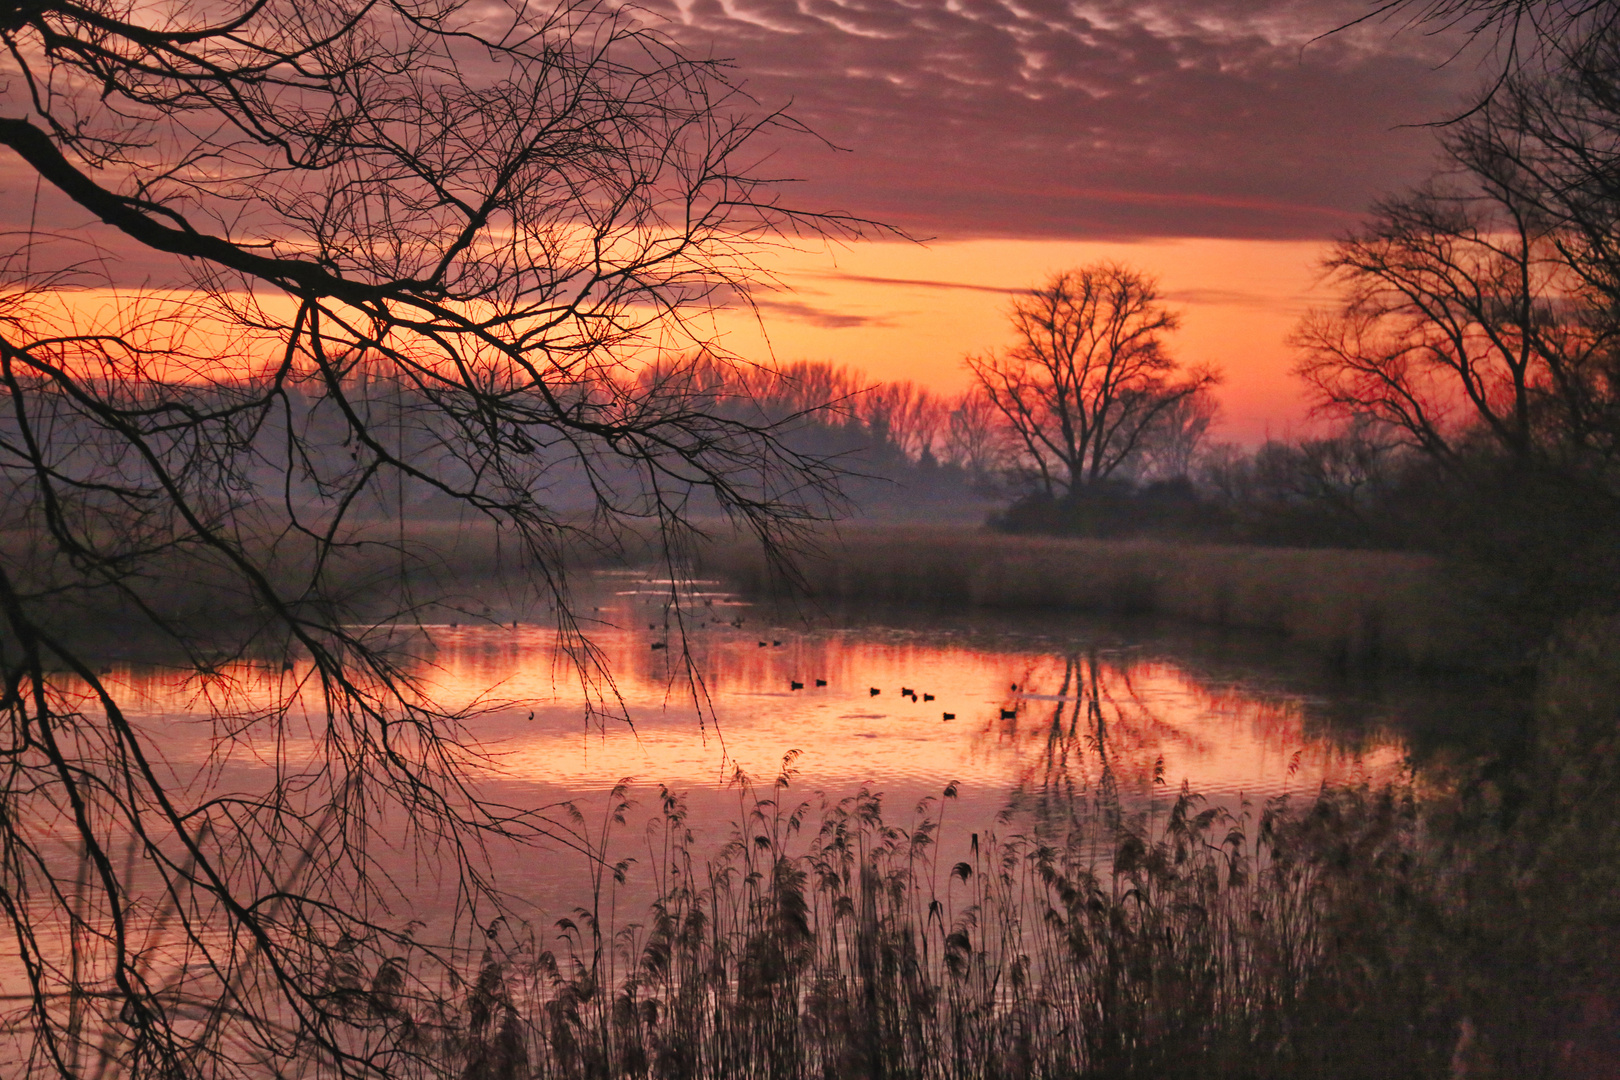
(1058, 118)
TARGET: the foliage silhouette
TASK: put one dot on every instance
(426, 251)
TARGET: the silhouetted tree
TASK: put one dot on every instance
(974, 439)
(1477, 326)
(1089, 384)
(1173, 450)
(430, 246)
(1461, 319)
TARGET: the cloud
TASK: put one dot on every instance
(1238, 298)
(1198, 296)
(799, 311)
(1066, 118)
(921, 283)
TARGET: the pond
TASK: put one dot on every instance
(954, 765)
(1027, 711)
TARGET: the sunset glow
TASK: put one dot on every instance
(913, 311)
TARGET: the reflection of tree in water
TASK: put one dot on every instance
(1089, 726)
(1082, 737)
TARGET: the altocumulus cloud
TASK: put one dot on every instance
(1057, 118)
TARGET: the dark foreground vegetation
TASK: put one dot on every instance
(1461, 924)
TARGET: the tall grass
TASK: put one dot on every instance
(1357, 607)
(1463, 924)
(1460, 925)
(831, 942)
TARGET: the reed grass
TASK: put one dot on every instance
(1462, 924)
(1354, 607)
(830, 942)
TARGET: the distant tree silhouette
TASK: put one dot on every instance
(1479, 323)
(1462, 320)
(1089, 384)
(974, 438)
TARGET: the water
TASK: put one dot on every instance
(1020, 715)
(1029, 709)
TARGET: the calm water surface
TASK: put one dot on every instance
(1024, 711)
(1022, 707)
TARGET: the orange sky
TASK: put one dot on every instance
(910, 311)
(1216, 144)
(898, 310)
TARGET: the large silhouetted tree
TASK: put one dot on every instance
(1088, 383)
(429, 247)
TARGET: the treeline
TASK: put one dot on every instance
(1531, 540)
(1468, 373)
(899, 447)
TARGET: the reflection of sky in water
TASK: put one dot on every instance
(1096, 711)
(1043, 706)
(1083, 718)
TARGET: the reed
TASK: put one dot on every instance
(1461, 924)
(1355, 607)
(1325, 937)
(829, 942)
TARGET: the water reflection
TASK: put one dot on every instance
(1048, 708)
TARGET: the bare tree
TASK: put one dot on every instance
(1524, 35)
(1171, 454)
(1089, 382)
(974, 439)
(1461, 319)
(430, 248)
(909, 417)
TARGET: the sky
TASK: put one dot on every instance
(1218, 144)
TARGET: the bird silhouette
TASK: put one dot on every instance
(795, 685)
(821, 682)
(928, 697)
(906, 691)
(659, 645)
(1009, 714)
(874, 691)
(948, 716)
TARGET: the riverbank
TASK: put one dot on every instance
(1359, 608)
